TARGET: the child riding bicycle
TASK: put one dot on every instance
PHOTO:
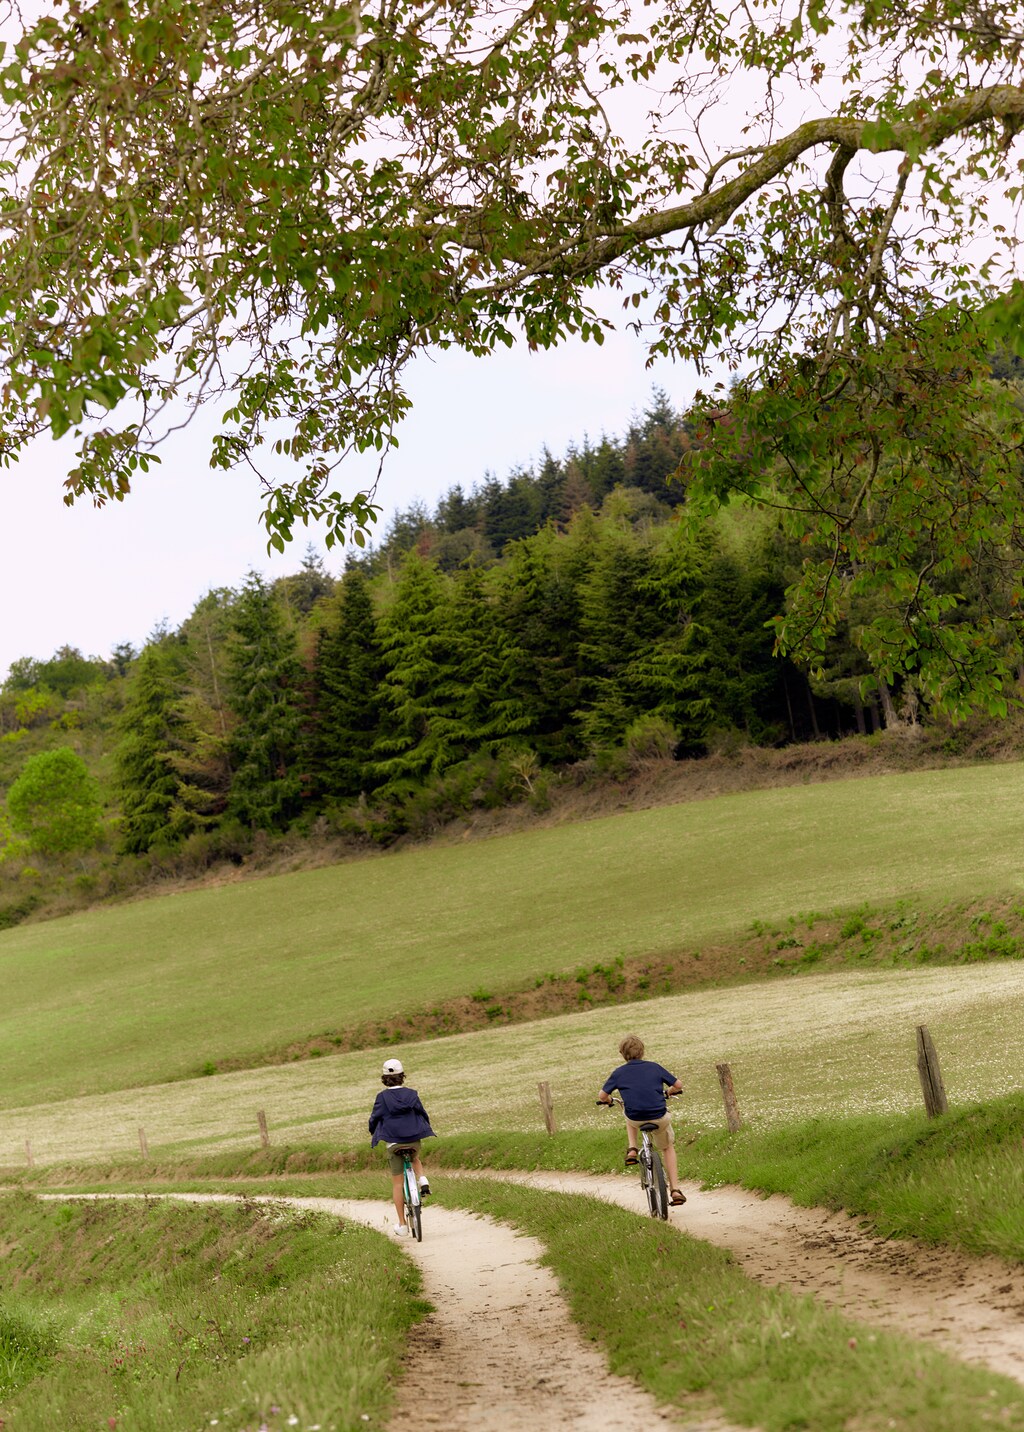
(642, 1086)
(399, 1120)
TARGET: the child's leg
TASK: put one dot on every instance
(632, 1135)
(398, 1194)
(417, 1169)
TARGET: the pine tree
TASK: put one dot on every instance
(264, 684)
(347, 673)
(420, 732)
(489, 712)
(152, 734)
(539, 604)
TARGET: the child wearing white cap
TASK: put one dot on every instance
(399, 1120)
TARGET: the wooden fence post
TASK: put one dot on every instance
(261, 1119)
(732, 1109)
(547, 1108)
(28, 1154)
(932, 1087)
(143, 1143)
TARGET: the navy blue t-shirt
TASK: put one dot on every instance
(641, 1086)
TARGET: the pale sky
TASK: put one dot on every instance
(91, 578)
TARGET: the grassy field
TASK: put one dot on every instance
(837, 1044)
(153, 1316)
(154, 990)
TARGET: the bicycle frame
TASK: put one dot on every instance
(413, 1202)
(652, 1171)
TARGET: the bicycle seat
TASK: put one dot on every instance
(648, 1128)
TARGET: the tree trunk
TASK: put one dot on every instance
(858, 711)
(888, 709)
(789, 708)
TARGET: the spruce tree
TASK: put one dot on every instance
(264, 684)
(420, 731)
(539, 602)
(152, 734)
(347, 672)
(490, 711)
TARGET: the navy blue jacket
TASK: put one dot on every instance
(398, 1115)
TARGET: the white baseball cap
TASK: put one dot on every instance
(392, 1066)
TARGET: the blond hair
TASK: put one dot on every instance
(632, 1047)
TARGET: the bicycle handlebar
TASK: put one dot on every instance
(607, 1103)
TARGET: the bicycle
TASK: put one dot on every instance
(652, 1170)
(413, 1203)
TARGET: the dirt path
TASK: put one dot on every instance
(973, 1307)
(500, 1352)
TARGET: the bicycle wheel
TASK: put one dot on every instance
(658, 1197)
(414, 1218)
(647, 1179)
(413, 1207)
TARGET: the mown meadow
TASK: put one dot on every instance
(126, 1311)
(159, 989)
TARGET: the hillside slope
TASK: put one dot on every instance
(157, 989)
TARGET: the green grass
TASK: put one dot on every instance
(838, 1044)
(681, 1319)
(151, 1315)
(954, 1180)
(156, 989)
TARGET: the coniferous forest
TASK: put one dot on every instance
(565, 615)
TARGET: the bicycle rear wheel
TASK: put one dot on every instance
(413, 1207)
(647, 1179)
(414, 1218)
(657, 1198)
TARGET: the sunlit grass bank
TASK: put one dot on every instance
(679, 1317)
(957, 1179)
(152, 1316)
(769, 1359)
(831, 1045)
(157, 989)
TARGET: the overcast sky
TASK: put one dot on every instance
(91, 578)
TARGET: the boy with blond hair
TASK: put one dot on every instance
(642, 1085)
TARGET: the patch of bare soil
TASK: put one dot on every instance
(972, 1307)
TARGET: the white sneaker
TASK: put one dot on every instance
(400, 1230)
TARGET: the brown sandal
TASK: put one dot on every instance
(632, 1156)
(678, 1197)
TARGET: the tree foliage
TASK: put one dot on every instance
(273, 207)
(264, 682)
(54, 804)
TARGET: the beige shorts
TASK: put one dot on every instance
(662, 1134)
(395, 1158)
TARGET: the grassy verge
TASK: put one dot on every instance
(681, 1319)
(678, 1316)
(954, 1180)
(146, 1315)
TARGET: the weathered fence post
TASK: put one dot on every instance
(932, 1087)
(732, 1109)
(547, 1108)
(28, 1154)
(143, 1143)
(261, 1119)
